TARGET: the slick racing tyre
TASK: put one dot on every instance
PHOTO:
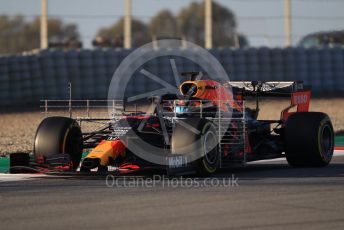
(203, 143)
(309, 139)
(56, 135)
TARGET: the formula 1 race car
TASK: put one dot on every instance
(204, 128)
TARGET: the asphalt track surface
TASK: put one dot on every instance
(268, 195)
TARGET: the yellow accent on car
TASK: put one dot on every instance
(106, 150)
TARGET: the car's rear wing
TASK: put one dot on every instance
(268, 88)
(295, 90)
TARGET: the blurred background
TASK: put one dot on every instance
(47, 44)
(89, 23)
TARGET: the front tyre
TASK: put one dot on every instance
(57, 135)
(210, 153)
(309, 139)
(200, 139)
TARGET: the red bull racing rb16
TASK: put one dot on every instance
(205, 127)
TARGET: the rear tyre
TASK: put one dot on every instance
(203, 143)
(309, 139)
(56, 135)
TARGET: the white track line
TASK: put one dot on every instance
(5, 177)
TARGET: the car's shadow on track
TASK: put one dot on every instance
(251, 171)
(281, 170)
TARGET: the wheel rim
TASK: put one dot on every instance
(209, 147)
(326, 141)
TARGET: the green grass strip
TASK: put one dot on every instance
(4, 164)
(339, 140)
